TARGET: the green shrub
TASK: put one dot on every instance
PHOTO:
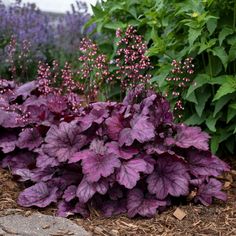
(204, 30)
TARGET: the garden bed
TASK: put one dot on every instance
(217, 219)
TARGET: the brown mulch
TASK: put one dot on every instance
(217, 219)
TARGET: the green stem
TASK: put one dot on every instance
(234, 20)
(234, 26)
(211, 74)
(204, 63)
(210, 64)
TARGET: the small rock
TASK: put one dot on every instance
(179, 214)
(2, 233)
(34, 225)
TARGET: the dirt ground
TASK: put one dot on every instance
(217, 219)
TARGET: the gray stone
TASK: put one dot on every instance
(39, 225)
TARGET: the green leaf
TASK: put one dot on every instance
(230, 145)
(211, 25)
(224, 33)
(202, 98)
(115, 25)
(117, 6)
(232, 52)
(215, 143)
(233, 106)
(163, 73)
(195, 120)
(220, 52)
(215, 67)
(226, 88)
(97, 11)
(193, 34)
(192, 98)
(204, 46)
(211, 123)
(230, 114)
(199, 81)
(133, 12)
(221, 103)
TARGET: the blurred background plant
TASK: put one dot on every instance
(175, 30)
(28, 35)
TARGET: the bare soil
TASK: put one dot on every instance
(217, 219)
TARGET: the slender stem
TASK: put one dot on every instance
(234, 20)
(211, 74)
(210, 64)
(204, 62)
(234, 26)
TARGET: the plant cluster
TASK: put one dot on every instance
(131, 62)
(104, 79)
(175, 30)
(178, 81)
(126, 157)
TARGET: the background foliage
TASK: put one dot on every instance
(204, 30)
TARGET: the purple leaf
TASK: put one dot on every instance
(142, 130)
(70, 193)
(44, 161)
(9, 119)
(122, 152)
(64, 141)
(207, 191)
(35, 175)
(19, 160)
(112, 208)
(157, 108)
(114, 126)
(37, 195)
(126, 137)
(25, 174)
(101, 186)
(97, 115)
(137, 204)
(169, 177)
(78, 156)
(204, 164)
(82, 209)
(37, 109)
(189, 137)
(65, 209)
(8, 142)
(150, 163)
(85, 191)
(29, 138)
(115, 192)
(25, 90)
(99, 164)
(197, 182)
(98, 147)
(128, 174)
(56, 103)
(42, 174)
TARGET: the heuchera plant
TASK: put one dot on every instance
(126, 157)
